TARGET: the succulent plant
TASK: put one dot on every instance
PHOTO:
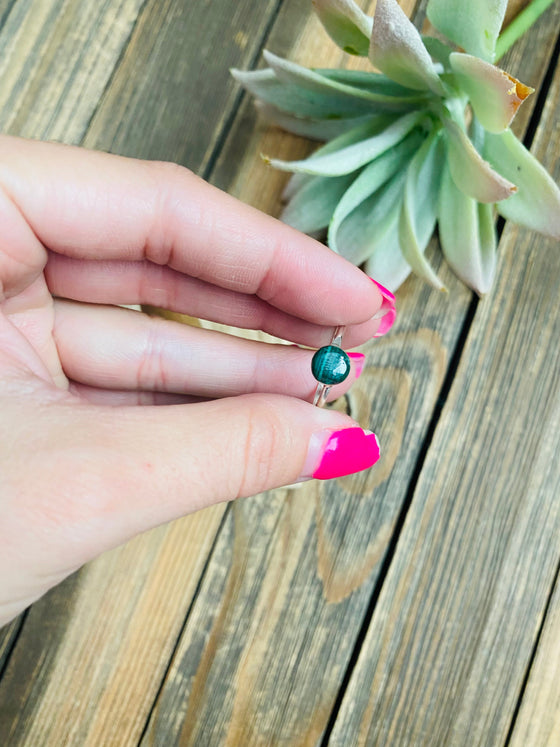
(425, 141)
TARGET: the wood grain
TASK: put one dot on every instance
(266, 645)
(97, 645)
(538, 722)
(56, 57)
(173, 92)
(451, 637)
(8, 634)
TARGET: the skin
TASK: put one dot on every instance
(113, 422)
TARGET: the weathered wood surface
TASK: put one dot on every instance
(56, 58)
(270, 632)
(453, 632)
(8, 635)
(538, 722)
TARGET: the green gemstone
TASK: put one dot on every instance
(330, 365)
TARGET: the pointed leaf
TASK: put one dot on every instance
(356, 148)
(311, 209)
(298, 181)
(311, 80)
(370, 180)
(537, 201)
(472, 25)
(437, 50)
(346, 24)
(397, 49)
(386, 263)
(314, 129)
(419, 210)
(494, 94)
(388, 94)
(366, 227)
(467, 236)
(470, 172)
(297, 100)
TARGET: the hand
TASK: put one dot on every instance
(82, 469)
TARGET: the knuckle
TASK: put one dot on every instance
(168, 187)
(151, 371)
(265, 446)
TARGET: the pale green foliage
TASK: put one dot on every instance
(473, 25)
(346, 23)
(425, 141)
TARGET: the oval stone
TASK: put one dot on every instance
(330, 365)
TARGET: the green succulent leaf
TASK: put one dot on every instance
(314, 129)
(536, 203)
(370, 180)
(298, 181)
(294, 184)
(355, 148)
(419, 210)
(467, 235)
(311, 209)
(494, 94)
(299, 101)
(470, 172)
(346, 24)
(396, 48)
(311, 80)
(386, 262)
(386, 91)
(368, 225)
(437, 50)
(472, 25)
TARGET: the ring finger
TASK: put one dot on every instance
(112, 348)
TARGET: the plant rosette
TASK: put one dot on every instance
(423, 142)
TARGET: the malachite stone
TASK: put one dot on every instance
(330, 365)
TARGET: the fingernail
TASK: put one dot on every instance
(358, 361)
(338, 453)
(388, 297)
(386, 323)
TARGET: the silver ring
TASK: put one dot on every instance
(322, 390)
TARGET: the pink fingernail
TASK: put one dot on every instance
(388, 297)
(358, 359)
(386, 323)
(338, 453)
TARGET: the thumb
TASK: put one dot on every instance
(151, 465)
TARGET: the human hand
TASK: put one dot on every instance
(82, 469)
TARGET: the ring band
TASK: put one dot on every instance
(330, 366)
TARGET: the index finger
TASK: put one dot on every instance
(89, 205)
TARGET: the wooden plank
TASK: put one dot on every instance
(79, 660)
(8, 634)
(182, 93)
(266, 646)
(451, 637)
(56, 57)
(538, 722)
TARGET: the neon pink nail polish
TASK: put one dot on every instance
(388, 297)
(358, 360)
(386, 323)
(338, 453)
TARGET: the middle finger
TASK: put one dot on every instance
(119, 282)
